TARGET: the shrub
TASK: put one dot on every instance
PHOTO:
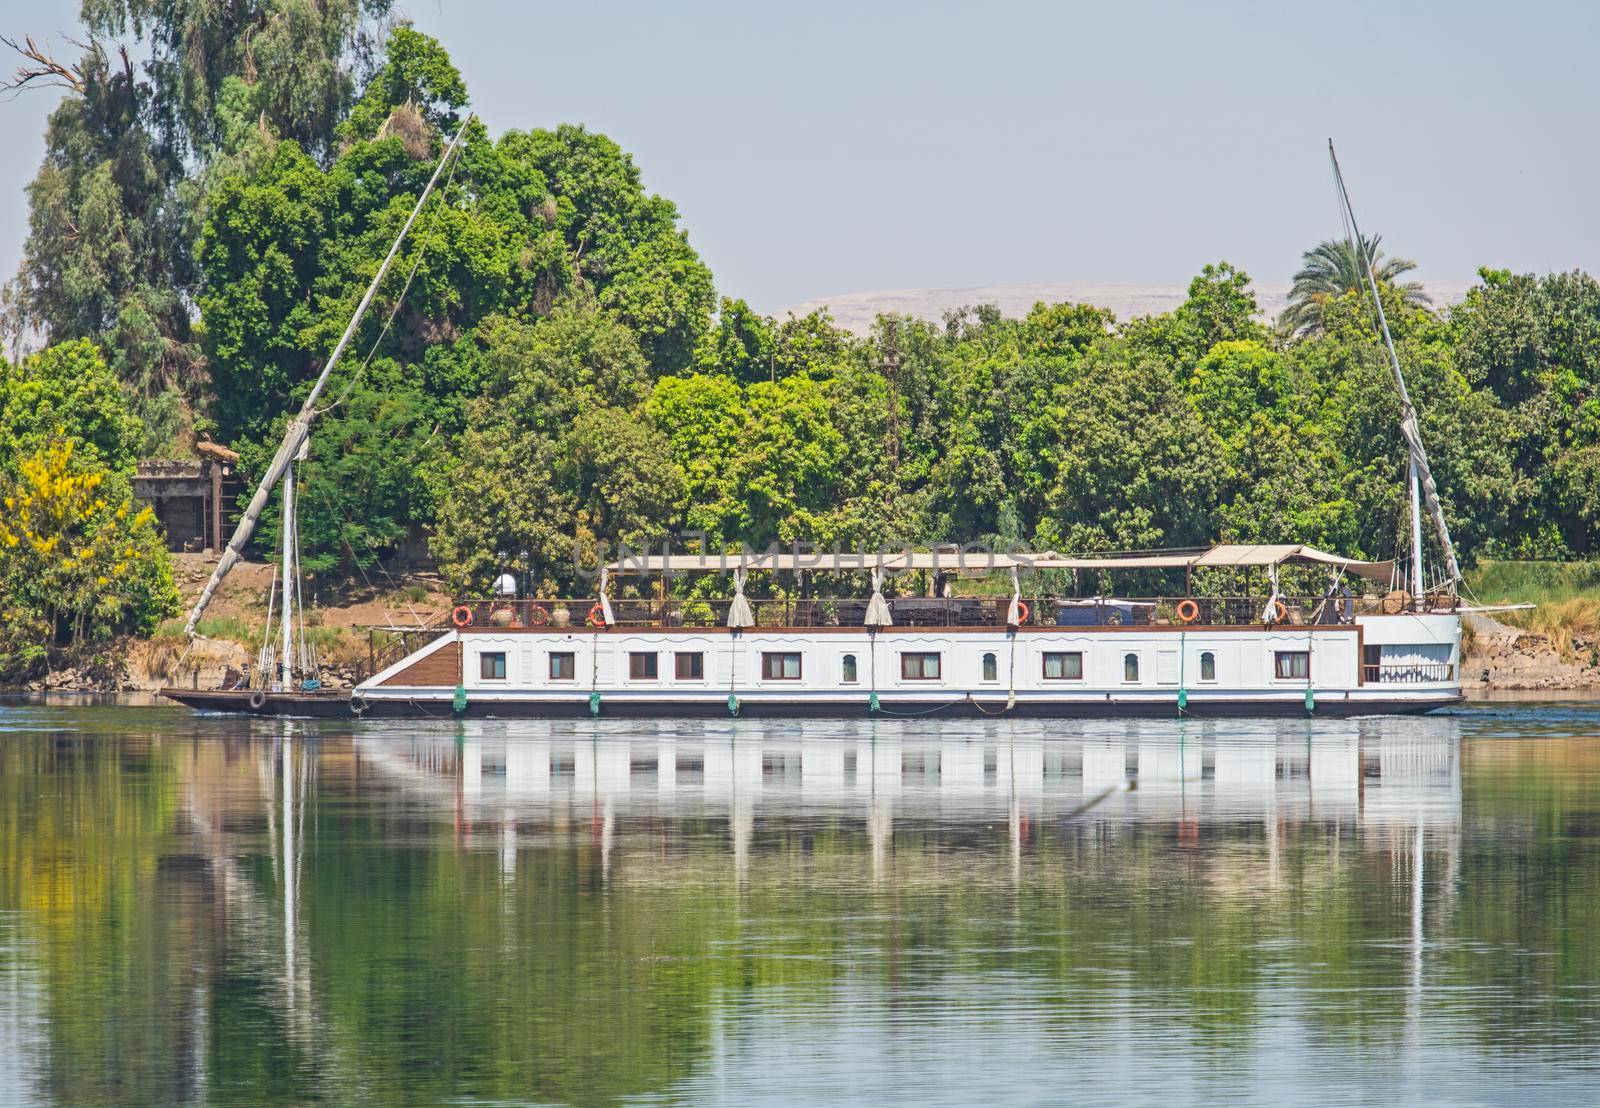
(79, 563)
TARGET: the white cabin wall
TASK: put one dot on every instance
(1168, 659)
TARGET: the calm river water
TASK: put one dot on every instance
(206, 910)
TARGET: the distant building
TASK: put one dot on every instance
(194, 500)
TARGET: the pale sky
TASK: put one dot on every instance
(828, 147)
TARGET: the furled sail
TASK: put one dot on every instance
(1409, 428)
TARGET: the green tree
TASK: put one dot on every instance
(1335, 267)
(418, 87)
(370, 474)
(623, 242)
(299, 62)
(107, 257)
(1131, 465)
(558, 456)
(79, 562)
(1533, 343)
(742, 345)
(115, 211)
(703, 417)
(1220, 307)
(67, 391)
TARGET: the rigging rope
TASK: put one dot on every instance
(394, 312)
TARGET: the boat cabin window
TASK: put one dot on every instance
(780, 665)
(1130, 667)
(991, 668)
(919, 666)
(563, 666)
(1293, 665)
(492, 665)
(691, 665)
(1063, 665)
(1208, 666)
(848, 673)
(643, 665)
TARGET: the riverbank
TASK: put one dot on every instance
(1496, 655)
(231, 632)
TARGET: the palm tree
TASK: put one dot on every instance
(1333, 269)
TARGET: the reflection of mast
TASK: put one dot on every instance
(608, 834)
(1014, 826)
(884, 764)
(880, 832)
(743, 784)
(291, 868)
(1415, 999)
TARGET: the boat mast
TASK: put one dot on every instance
(1416, 534)
(299, 429)
(1422, 484)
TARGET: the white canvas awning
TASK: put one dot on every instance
(979, 563)
(1237, 556)
(825, 561)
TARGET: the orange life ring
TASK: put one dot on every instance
(1022, 612)
(538, 616)
(1188, 610)
(462, 616)
(1280, 612)
(597, 616)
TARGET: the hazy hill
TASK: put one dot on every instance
(855, 311)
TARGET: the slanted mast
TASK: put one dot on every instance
(1422, 483)
(297, 434)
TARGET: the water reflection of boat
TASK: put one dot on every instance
(1126, 772)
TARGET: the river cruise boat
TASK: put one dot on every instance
(1335, 654)
(1255, 649)
(1339, 653)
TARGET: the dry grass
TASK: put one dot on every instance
(162, 655)
(1567, 595)
(1562, 621)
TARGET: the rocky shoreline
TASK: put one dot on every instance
(1498, 656)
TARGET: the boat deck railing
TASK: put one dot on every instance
(387, 645)
(913, 611)
(1405, 673)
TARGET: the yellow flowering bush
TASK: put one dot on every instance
(79, 562)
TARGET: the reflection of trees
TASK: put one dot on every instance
(580, 947)
(112, 916)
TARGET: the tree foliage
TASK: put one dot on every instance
(67, 392)
(557, 456)
(1335, 267)
(548, 367)
(108, 255)
(297, 61)
(79, 562)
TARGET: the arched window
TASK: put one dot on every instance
(1130, 667)
(1208, 666)
(991, 668)
(848, 670)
